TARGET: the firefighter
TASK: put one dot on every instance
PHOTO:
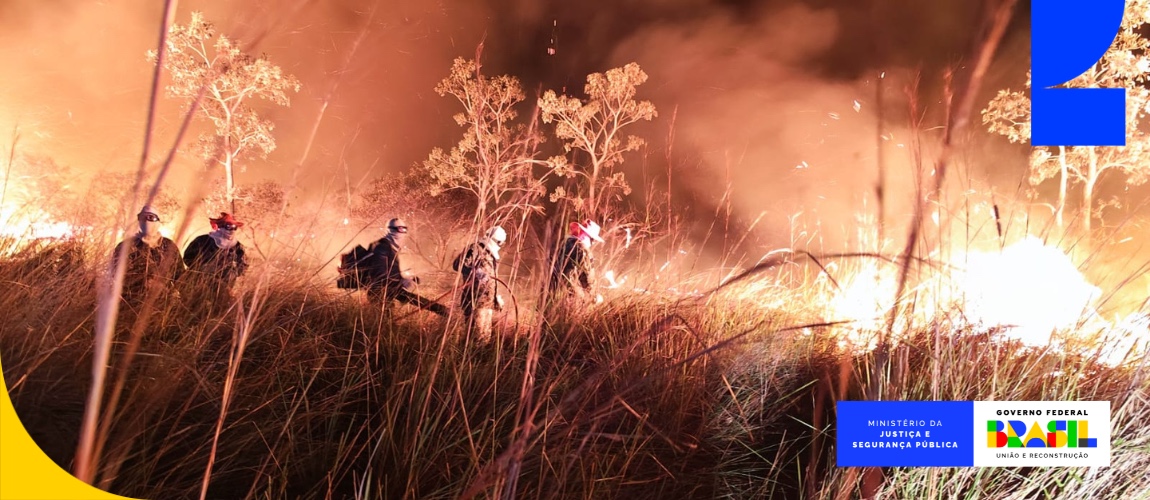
(572, 275)
(215, 260)
(153, 261)
(386, 279)
(479, 263)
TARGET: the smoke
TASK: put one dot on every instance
(65, 85)
(775, 100)
(77, 82)
(779, 138)
(778, 109)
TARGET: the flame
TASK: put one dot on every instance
(1028, 290)
(1031, 289)
(863, 297)
(21, 218)
(26, 224)
(611, 280)
(1129, 338)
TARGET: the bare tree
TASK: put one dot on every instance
(1125, 65)
(258, 203)
(495, 160)
(229, 79)
(595, 127)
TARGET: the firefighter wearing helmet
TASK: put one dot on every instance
(478, 265)
(216, 260)
(572, 275)
(387, 281)
(153, 261)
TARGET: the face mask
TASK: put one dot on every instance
(222, 233)
(397, 237)
(149, 228)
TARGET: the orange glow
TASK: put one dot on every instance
(1030, 288)
(1029, 291)
(22, 226)
(864, 297)
(22, 220)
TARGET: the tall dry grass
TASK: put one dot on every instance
(650, 396)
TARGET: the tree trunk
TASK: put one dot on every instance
(231, 184)
(229, 165)
(1061, 185)
(592, 207)
(481, 211)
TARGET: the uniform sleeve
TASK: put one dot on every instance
(395, 267)
(492, 268)
(458, 263)
(565, 264)
(479, 260)
(374, 262)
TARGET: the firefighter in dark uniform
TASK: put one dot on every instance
(479, 298)
(386, 279)
(572, 276)
(153, 262)
(215, 260)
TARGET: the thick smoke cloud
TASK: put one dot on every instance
(761, 122)
(779, 106)
(765, 92)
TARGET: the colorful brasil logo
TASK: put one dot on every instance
(1059, 434)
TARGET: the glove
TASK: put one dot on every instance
(498, 302)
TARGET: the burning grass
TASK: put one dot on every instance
(648, 396)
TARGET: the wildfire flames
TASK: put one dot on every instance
(22, 223)
(1028, 291)
(1030, 288)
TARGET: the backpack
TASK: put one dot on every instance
(353, 269)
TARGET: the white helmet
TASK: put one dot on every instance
(396, 225)
(591, 229)
(497, 235)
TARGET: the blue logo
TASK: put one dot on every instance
(1067, 38)
(904, 434)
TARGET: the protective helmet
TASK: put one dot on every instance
(226, 221)
(591, 229)
(497, 235)
(396, 225)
